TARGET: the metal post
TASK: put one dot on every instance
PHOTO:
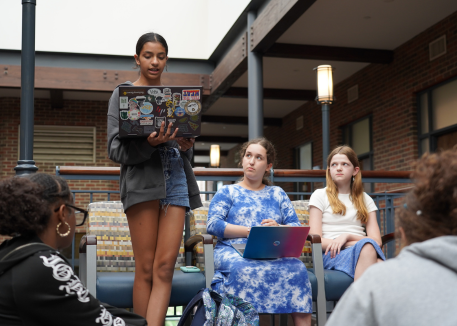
(325, 133)
(26, 165)
(255, 86)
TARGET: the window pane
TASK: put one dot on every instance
(424, 113)
(306, 162)
(445, 105)
(425, 145)
(361, 137)
(446, 141)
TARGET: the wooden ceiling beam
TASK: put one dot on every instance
(334, 53)
(274, 94)
(274, 20)
(93, 79)
(230, 120)
(231, 67)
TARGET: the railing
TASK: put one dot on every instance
(386, 201)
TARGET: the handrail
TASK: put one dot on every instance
(223, 172)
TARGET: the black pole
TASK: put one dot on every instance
(26, 165)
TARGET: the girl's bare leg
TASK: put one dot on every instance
(143, 221)
(169, 237)
(368, 256)
(301, 319)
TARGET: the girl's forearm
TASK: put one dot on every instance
(236, 231)
(353, 237)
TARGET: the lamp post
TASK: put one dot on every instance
(215, 156)
(325, 98)
(26, 164)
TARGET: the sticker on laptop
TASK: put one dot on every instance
(183, 128)
(183, 120)
(146, 108)
(182, 103)
(180, 112)
(134, 114)
(154, 91)
(194, 126)
(124, 114)
(190, 94)
(126, 126)
(193, 107)
(137, 130)
(141, 100)
(194, 118)
(167, 93)
(171, 120)
(160, 99)
(147, 116)
(133, 104)
(176, 99)
(159, 121)
(123, 102)
(146, 122)
(149, 129)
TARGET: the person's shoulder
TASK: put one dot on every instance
(40, 266)
(319, 193)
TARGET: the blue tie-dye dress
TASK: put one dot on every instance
(271, 286)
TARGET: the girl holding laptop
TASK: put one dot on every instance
(157, 187)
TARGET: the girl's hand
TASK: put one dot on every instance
(335, 246)
(162, 137)
(269, 222)
(185, 143)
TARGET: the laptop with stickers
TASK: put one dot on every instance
(270, 242)
(142, 109)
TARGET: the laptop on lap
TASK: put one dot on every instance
(270, 242)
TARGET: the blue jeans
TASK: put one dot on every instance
(175, 178)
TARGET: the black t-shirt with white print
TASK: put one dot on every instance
(43, 290)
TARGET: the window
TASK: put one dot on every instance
(64, 144)
(358, 135)
(303, 161)
(437, 117)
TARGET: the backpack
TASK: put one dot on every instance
(212, 309)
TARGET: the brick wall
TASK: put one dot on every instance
(74, 113)
(388, 93)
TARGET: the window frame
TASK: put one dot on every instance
(431, 135)
(348, 142)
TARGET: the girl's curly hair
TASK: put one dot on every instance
(26, 203)
(431, 207)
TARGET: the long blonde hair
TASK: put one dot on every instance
(356, 195)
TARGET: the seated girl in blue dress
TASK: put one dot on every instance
(271, 286)
(339, 212)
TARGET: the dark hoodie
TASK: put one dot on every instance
(38, 287)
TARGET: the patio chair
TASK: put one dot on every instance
(107, 264)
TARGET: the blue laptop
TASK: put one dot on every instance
(271, 242)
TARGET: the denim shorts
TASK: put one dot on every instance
(175, 178)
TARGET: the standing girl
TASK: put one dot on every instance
(339, 212)
(157, 187)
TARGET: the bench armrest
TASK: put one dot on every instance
(387, 238)
(88, 262)
(208, 253)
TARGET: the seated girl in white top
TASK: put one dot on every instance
(338, 213)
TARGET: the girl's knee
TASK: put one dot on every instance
(164, 271)
(369, 251)
(143, 270)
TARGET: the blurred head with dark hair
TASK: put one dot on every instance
(431, 207)
(36, 205)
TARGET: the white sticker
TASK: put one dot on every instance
(123, 102)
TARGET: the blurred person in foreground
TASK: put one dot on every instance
(418, 287)
(37, 284)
